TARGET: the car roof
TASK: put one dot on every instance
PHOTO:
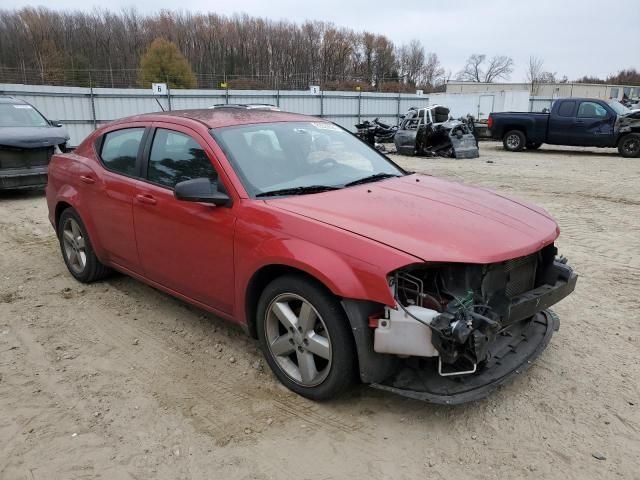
(223, 117)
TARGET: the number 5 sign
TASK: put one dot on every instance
(159, 88)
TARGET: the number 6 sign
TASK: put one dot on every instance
(159, 88)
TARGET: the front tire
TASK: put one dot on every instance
(76, 248)
(629, 145)
(514, 141)
(305, 337)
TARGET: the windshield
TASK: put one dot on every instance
(20, 115)
(618, 107)
(307, 156)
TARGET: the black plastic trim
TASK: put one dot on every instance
(516, 364)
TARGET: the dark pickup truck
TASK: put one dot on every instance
(585, 122)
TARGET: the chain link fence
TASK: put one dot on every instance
(130, 78)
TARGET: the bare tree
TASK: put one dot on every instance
(534, 69)
(499, 67)
(434, 74)
(479, 69)
(472, 71)
(536, 75)
(411, 62)
(534, 72)
(104, 48)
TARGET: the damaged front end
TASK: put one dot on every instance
(432, 132)
(25, 154)
(462, 330)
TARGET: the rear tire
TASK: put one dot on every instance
(629, 145)
(514, 141)
(77, 251)
(533, 146)
(305, 337)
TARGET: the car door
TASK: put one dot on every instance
(184, 246)
(110, 192)
(405, 137)
(561, 120)
(593, 124)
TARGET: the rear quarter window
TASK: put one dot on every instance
(119, 150)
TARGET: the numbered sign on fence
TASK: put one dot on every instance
(159, 88)
(314, 89)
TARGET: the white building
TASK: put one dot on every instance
(549, 90)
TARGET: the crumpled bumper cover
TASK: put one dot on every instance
(510, 355)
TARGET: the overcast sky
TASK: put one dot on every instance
(574, 37)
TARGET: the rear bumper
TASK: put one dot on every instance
(33, 177)
(510, 355)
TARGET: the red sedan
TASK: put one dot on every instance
(342, 264)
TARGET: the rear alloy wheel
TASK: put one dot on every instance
(76, 249)
(629, 145)
(514, 141)
(304, 335)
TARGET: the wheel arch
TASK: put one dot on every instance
(372, 367)
(509, 128)
(68, 197)
(61, 206)
(259, 281)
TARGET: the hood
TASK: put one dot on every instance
(432, 219)
(32, 137)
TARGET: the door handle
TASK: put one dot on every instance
(87, 179)
(146, 198)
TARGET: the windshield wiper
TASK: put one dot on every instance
(371, 178)
(298, 190)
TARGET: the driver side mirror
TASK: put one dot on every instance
(201, 190)
(55, 123)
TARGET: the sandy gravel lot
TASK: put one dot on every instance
(115, 380)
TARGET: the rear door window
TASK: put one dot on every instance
(566, 109)
(176, 157)
(120, 150)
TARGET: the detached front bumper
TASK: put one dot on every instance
(510, 355)
(528, 326)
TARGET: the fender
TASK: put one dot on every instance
(361, 286)
(345, 276)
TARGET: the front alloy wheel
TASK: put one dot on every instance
(629, 146)
(298, 339)
(305, 336)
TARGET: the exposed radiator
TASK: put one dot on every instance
(521, 274)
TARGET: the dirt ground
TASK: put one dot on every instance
(116, 380)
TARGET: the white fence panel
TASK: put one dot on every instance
(82, 109)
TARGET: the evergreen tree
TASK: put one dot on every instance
(163, 63)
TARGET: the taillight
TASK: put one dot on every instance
(490, 121)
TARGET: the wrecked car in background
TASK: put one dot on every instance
(27, 142)
(376, 132)
(431, 131)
